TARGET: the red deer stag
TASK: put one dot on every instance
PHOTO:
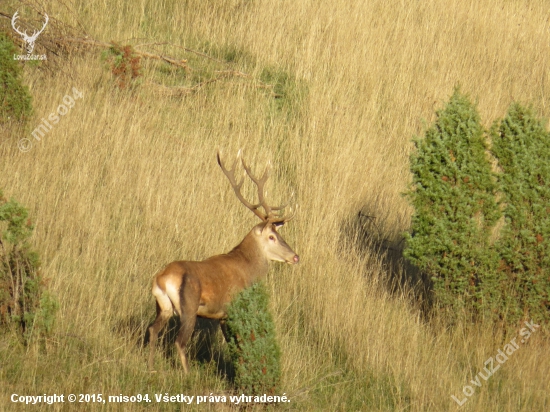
(190, 289)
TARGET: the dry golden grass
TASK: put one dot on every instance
(127, 181)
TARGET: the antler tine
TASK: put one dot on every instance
(230, 174)
(292, 212)
(260, 183)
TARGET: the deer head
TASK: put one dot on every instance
(273, 245)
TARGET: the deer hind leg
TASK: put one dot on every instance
(189, 304)
(223, 327)
(164, 313)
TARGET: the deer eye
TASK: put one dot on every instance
(271, 237)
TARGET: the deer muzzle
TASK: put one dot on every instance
(295, 259)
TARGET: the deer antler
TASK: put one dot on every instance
(269, 215)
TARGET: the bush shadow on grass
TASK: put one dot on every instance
(365, 233)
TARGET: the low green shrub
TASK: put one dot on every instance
(522, 146)
(15, 100)
(252, 343)
(453, 195)
(24, 300)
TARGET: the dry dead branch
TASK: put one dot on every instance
(95, 43)
(62, 39)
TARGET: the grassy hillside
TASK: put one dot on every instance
(331, 93)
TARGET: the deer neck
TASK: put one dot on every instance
(253, 261)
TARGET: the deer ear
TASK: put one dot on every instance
(260, 228)
(278, 224)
